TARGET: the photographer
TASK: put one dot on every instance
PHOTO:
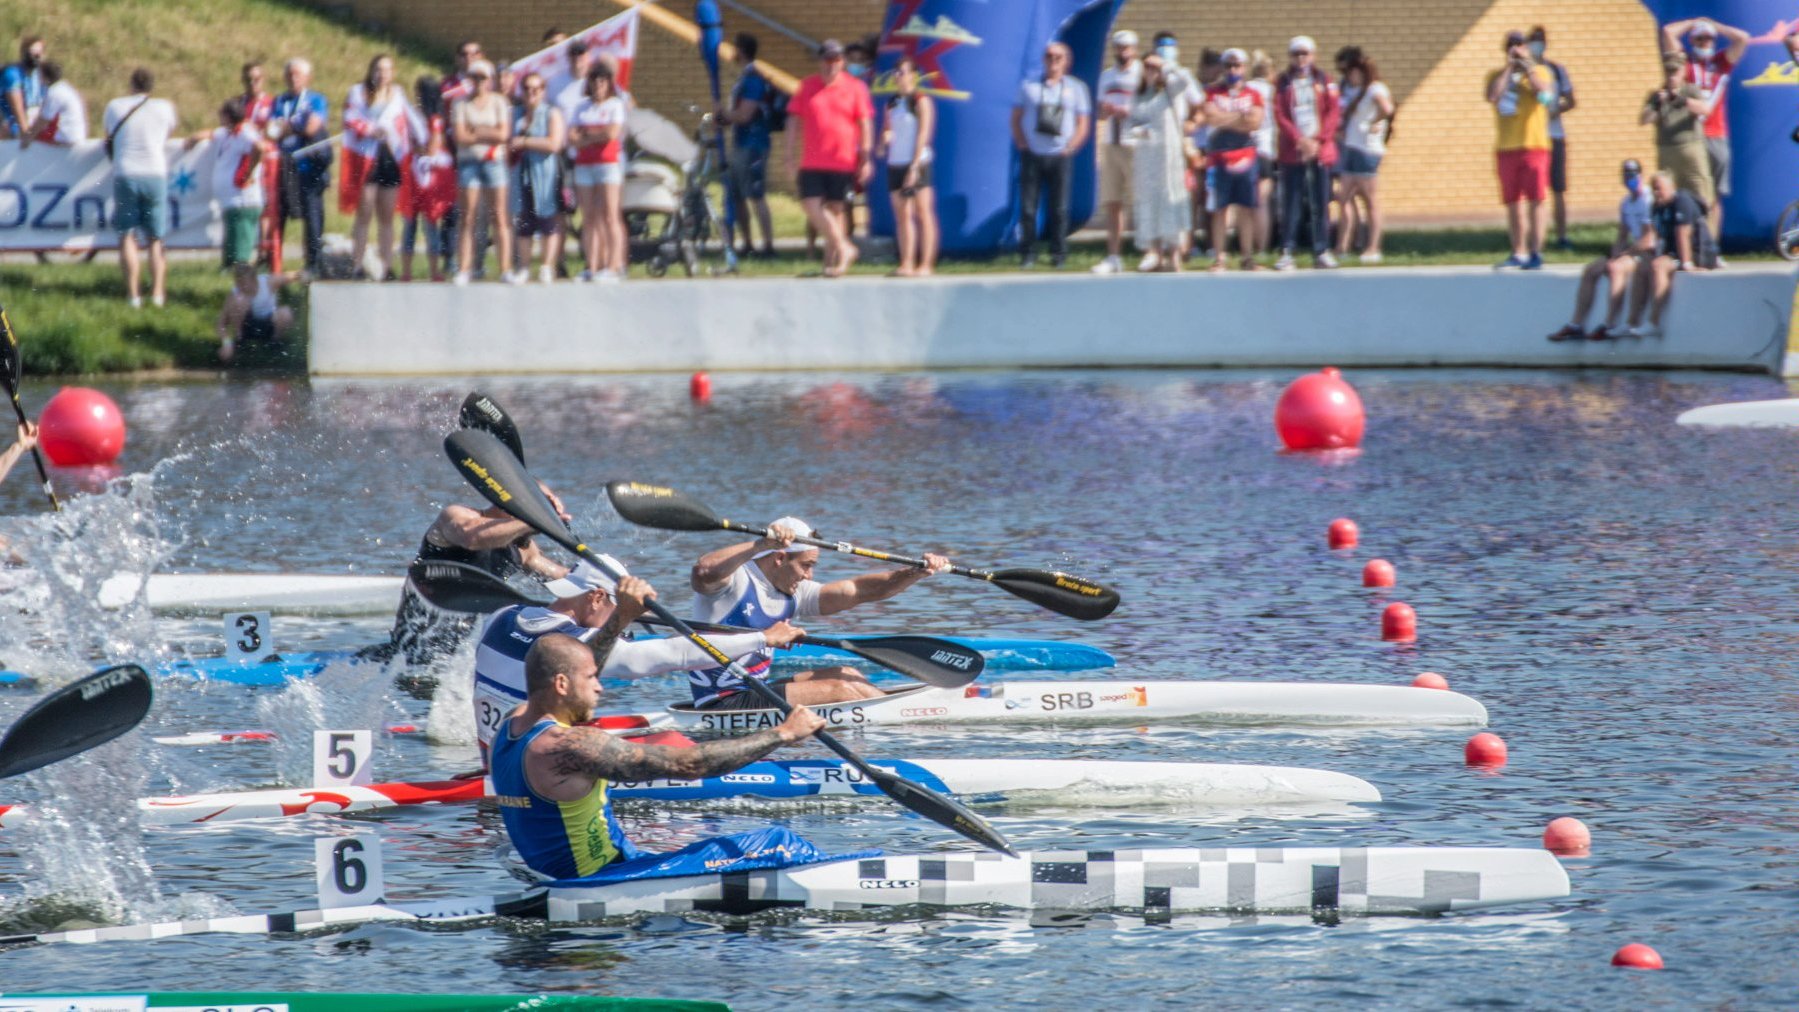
(1521, 94)
(1059, 110)
(1677, 109)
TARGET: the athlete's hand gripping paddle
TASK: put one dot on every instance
(12, 370)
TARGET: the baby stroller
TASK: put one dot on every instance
(669, 217)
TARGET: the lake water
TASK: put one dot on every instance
(1616, 589)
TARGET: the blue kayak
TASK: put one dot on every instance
(1001, 655)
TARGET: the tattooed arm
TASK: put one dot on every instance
(583, 753)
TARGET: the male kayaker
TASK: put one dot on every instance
(550, 776)
(594, 610)
(758, 583)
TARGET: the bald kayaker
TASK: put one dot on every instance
(758, 583)
(550, 775)
(594, 610)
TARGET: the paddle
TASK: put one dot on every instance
(480, 412)
(669, 510)
(75, 718)
(492, 469)
(946, 664)
(12, 370)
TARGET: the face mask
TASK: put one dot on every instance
(1536, 50)
(1634, 184)
(1233, 79)
(1169, 52)
(857, 69)
(1704, 52)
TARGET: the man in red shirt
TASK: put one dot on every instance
(837, 127)
(1709, 70)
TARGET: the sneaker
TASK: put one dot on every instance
(1324, 261)
(135, 302)
(1535, 263)
(1571, 333)
(1511, 263)
(586, 277)
(546, 274)
(1285, 263)
(1110, 265)
(1027, 262)
(1368, 258)
(1646, 330)
(157, 301)
(1150, 262)
(460, 280)
(1058, 261)
(1564, 244)
(1719, 264)
(1604, 333)
(516, 277)
(608, 277)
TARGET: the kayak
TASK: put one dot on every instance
(278, 593)
(1782, 413)
(1316, 881)
(985, 781)
(298, 1001)
(1309, 703)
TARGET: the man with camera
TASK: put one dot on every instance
(1049, 124)
(1677, 109)
(1708, 70)
(1521, 94)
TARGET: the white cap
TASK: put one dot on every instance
(1124, 37)
(585, 578)
(1302, 44)
(1233, 54)
(1702, 28)
(799, 527)
(480, 67)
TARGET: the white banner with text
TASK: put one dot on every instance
(55, 198)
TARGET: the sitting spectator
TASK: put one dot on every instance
(62, 119)
(1634, 245)
(911, 124)
(1367, 109)
(597, 135)
(1521, 93)
(538, 137)
(137, 137)
(380, 128)
(749, 111)
(481, 127)
(836, 136)
(22, 87)
(1682, 243)
(252, 314)
(1306, 112)
(1677, 109)
(1113, 136)
(429, 195)
(1058, 110)
(237, 150)
(1233, 113)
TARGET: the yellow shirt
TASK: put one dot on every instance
(1527, 127)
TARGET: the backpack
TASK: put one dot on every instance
(774, 109)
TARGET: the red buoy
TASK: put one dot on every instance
(81, 427)
(1430, 680)
(1343, 533)
(1568, 836)
(700, 387)
(1399, 623)
(1378, 573)
(1318, 411)
(1637, 956)
(1486, 750)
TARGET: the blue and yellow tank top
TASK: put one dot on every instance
(560, 839)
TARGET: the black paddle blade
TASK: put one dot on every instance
(75, 718)
(943, 663)
(946, 812)
(495, 472)
(1059, 592)
(658, 506)
(459, 587)
(480, 412)
(12, 368)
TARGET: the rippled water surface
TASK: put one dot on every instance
(1616, 589)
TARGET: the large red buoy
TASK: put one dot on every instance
(1342, 533)
(80, 427)
(699, 387)
(1430, 680)
(1568, 836)
(1637, 956)
(1485, 750)
(1319, 411)
(1378, 573)
(1398, 623)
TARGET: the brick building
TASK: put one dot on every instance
(1434, 54)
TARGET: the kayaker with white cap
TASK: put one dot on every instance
(769, 580)
(593, 609)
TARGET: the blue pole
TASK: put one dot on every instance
(712, 34)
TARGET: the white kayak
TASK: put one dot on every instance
(1780, 414)
(1315, 881)
(1309, 703)
(280, 593)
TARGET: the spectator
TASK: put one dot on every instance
(379, 127)
(837, 133)
(1634, 245)
(1167, 46)
(259, 105)
(1306, 113)
(429, 196)
(538, 137)
(300, 122)
(22, 87)
(1521, 93)
(568, 88)
(1115, 140)
(859, 60)
(1059, 110)
(1682, 243)
(137, 137)
(748, 111)
(456, 86)
(1233, 113)
(1709, 70)
(1558, 138)
(1677, 109)
(237, 150)
(911, 126)
(62, 119)
(481, 126)
(598, 138)
(1159, 114)
(1260, 67)
(1367, 109)
(252, 314)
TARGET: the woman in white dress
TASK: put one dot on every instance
(380, 129)
(1159, 116)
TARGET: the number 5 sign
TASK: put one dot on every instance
(348, 870)
(341, 758)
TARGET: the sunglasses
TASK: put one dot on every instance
(1054, 56)
(533, 87)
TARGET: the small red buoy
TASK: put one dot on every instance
(1430, 680)
(81, 427)
(1637, 956)
(1343, 533)
(1568, 836)
(1318, 411)
(700, 387)
(1378, 573)
(1486, 750)
(1399, 623)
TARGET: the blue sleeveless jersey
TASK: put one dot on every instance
(750, 601)
(559, 839)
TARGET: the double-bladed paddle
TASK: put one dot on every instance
(497, 474)
(671, 510)
(12, 370)
(946, 664)
(85, 713)
(479, 411)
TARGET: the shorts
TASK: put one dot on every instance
(256, 330)
(527, 222)
(1523, 175)
(747, 699)
(1225, 188)
(141, 203)
(1265, 166)
(1358, 163)
(749, 172)
(896, 177)
(1115, 162)
(832, 187)
(386, 171)
(481, 175)
(1558, 164)
(243, 226)
(1718, 148)
(603, 174)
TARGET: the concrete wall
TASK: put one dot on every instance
(1734, 319)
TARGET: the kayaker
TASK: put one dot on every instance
(550, 775)
(758, 583)
(26, 442)
(594, 610)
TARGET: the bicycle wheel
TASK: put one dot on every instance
(1786, 232)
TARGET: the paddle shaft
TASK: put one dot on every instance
(12, 392)
(849, 549)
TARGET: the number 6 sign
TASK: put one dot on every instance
(348, 871)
